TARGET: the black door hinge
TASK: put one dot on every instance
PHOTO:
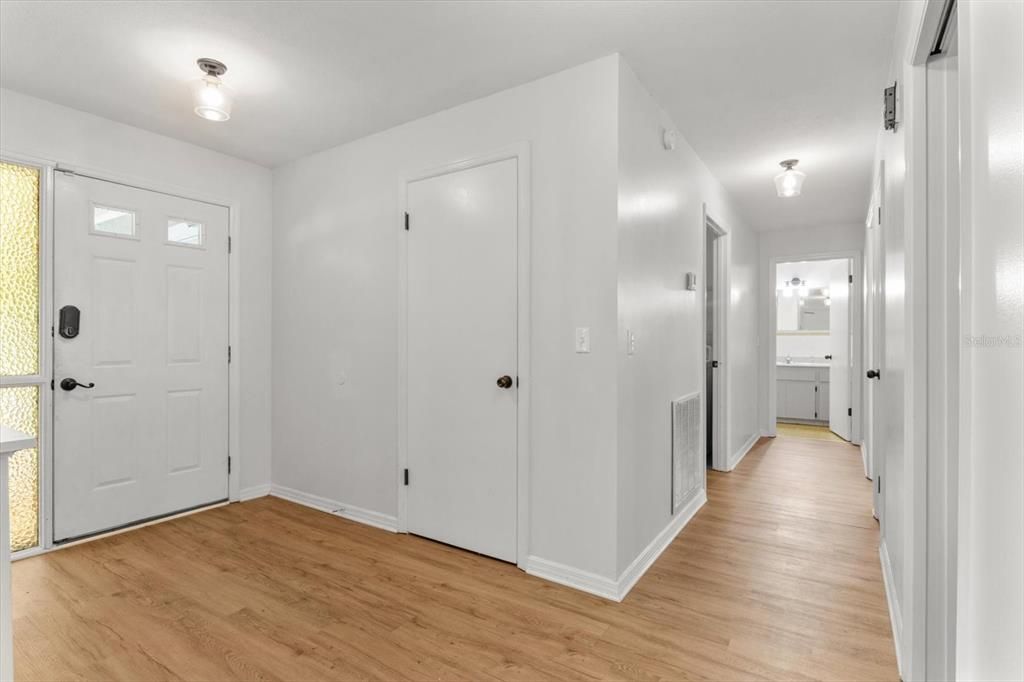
(406, 221)
(879, 215)
(849, 411)
(851, 279)
(889, 98)
(878, 480)
(229, 464)
(229, 244)
(405, 476)
(229, 355)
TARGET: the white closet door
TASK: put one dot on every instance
(462, 388)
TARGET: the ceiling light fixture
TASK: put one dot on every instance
(789, 181)
(210, 97)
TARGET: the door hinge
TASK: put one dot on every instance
(849, 411)
(229, 355)
(851, 279)
(815, 389)
(229, 244)
(406, 221)
(879, 215)
(889, 97)
(878, 480)
(229, 464)
(51, 384)
(405, 477)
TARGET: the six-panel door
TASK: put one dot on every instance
(148, 273)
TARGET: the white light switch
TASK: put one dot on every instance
(582, 339)
(630, 342)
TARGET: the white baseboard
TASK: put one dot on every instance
(737, 457)
(573, 577)
(346, 511)
(602, 586)
(252, 492)
(659, 544)
(895, 614)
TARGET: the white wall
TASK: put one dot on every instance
(660, 236)
(991, 550)
(336, 226)
(40, 129)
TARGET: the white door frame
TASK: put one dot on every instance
(856, 323)
(720, 453)
(46, 267)
(521, 153)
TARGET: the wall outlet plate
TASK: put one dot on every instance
(691, 281)
(582, 339)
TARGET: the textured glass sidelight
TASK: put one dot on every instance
(19, 339)
(19, 409)
(19, 270)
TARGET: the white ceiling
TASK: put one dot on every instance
(748, 83)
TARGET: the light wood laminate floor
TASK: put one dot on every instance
(776, 578)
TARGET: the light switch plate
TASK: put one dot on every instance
(691, 281)
(582, 339)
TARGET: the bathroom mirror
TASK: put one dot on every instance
(802, 314)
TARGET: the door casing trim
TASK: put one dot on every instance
(521, 152)
(48, 167)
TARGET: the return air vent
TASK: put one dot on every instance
(687, 469)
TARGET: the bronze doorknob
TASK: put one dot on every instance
(505, 381)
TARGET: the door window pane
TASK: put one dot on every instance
(113, 221)
(19, 409)
(184, 232)
(19, 270)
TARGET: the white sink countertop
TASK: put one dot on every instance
(802, 363)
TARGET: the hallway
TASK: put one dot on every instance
(776, 578)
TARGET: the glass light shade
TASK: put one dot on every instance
(211, 99)
(789, 182)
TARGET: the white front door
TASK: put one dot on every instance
(840, 420)
(461, 350)
(145, 431)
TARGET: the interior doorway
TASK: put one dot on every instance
(716, 308)
(815, 341)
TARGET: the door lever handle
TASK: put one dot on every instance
(69, 384)
(874, 374)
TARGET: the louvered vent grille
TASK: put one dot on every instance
(687, 472)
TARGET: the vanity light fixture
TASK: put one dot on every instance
(789, 181)
(211, 99)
